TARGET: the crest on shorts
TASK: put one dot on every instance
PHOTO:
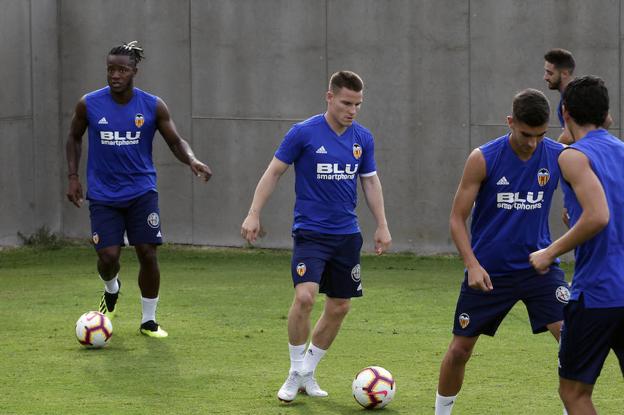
(153, 220)
(543, 175)
(301, 269)
(357, 150)
(464, 320)
(139, 120)
(563, 294)
(96, 238)
(355, 273)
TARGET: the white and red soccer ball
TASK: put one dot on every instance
(373, 387)
(94, 330)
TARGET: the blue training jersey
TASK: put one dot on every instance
(510, 215)
(560, 113)
(599, 267)
(326, 171)
(119, 165)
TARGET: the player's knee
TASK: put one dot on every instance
(304, 301)
(459, 353)
(339, 309)
(147, 255)
(108, 259)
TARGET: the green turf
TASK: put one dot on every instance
(225, 311)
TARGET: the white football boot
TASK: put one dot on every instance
(288, 391)
(308, 383)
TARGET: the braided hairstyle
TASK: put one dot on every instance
(131, 49)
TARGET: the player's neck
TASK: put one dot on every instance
(334, 125)
(123, 97)
(580, 131)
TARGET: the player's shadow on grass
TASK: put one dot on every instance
(305, 406)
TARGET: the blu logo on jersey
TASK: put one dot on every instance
(509, 200)
(113, 138)
(333, 171)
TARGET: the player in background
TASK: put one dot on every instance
(593, 175)
(510, 181)
(559, 66)
(330, 151)
(121, 178)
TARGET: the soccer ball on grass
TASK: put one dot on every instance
(373, 387)
(94, 330)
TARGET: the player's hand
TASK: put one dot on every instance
(383, 239)
(74, 191)
(541, 260)
(200, 170)
(479, 279)
(565, 217)
(250, 229)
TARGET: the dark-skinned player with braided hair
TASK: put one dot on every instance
(121, 177)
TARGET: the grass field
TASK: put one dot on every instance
(225, 311)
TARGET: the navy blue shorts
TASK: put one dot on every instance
(586, 338)
(332, 261)
(139, 218)
(480, 312)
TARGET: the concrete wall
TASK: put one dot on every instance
(439, 74)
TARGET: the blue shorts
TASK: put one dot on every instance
(586, 338)
(139, 218)
(480, 312)
(332, 261)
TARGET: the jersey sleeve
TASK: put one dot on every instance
(291, 146)
(368, 166)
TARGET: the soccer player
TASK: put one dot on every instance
(593, 175)
(559, 66)
(510, 182)
(121, 178)
(329, 151)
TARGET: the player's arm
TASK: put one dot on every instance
(474, 174)
(73, 151)
(577, 171)
(178, 146)
(266, 185)
(371, 185)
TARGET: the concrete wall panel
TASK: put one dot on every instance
(241, 151)
(413, 58)
(508, 40)
(17, 182)
(258, 59)
(15, 71)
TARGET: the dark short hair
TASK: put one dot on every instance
(587, 100)
(131, 49)
(561, 59)
(345, 79)
(531, 107)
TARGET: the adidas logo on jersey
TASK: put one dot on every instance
(103, 121)
(503, 181)
(321, 150)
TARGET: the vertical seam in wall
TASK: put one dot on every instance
(59, 112)
(469, 80)
(191, 138)
(326, 35)
(32, 115)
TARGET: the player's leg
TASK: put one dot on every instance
(545, 296)
(107, 229)
(144, 233)
(340, 282)
(452, 372)
(576, 397)
(307, 266)
(476, 313)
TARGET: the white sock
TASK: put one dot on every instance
(312, 358)
(296, 357)
(111, 286)
(444, 404)
(564, 411)
(149, 309)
